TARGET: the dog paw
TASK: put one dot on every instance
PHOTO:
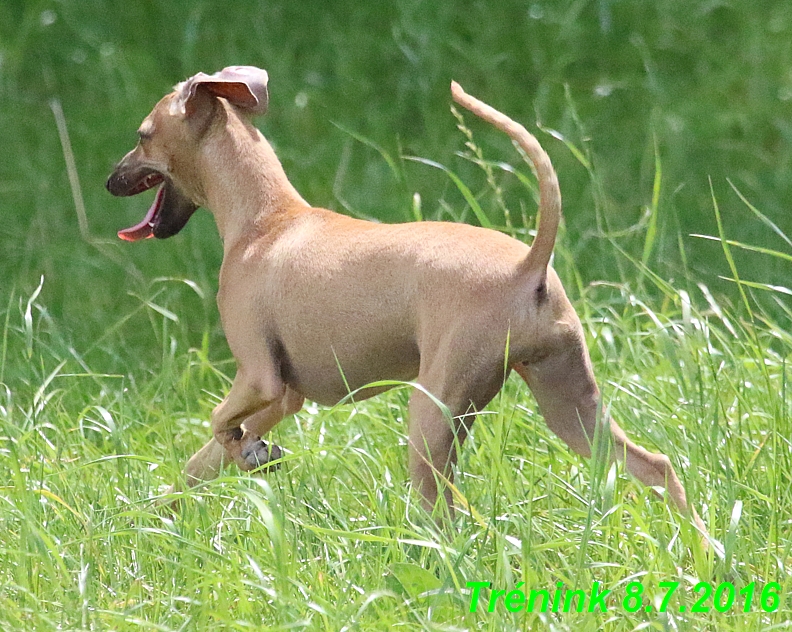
(260, 453)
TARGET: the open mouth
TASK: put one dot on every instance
(168, 213)
(145, 228)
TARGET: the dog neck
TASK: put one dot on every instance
(244, 183)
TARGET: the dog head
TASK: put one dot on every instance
(171, 135)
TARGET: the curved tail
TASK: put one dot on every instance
(549, 193)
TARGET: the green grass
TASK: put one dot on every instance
(664, 120)
(334, 541)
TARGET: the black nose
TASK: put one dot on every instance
(117, 183)
(112, 182)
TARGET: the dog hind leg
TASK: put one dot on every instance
(568, 399)
(434, 439)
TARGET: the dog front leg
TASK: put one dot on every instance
(249, 394)
(205, 464)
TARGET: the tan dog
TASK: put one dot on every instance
(315, 304)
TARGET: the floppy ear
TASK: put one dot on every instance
(245, 87)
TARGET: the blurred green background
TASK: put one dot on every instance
(702, 90)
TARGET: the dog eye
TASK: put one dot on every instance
(145, 133)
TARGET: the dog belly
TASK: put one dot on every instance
(328, 376)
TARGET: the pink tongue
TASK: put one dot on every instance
(144, 229)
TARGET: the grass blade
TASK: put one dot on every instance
(463, 189)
